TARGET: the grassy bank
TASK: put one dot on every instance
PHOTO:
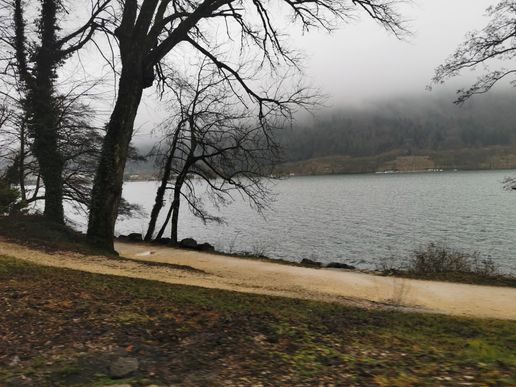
(37, 232)
(62, 327)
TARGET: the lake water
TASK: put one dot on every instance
(360, 219)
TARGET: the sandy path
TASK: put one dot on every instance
(252, 276)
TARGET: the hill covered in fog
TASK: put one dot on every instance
(406, 134)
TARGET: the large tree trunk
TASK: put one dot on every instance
(107, 187)
(40, 105)
(51, 168)
(46, 148)
(44, 116)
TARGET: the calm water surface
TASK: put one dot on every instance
(361, 219)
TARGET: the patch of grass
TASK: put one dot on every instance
(191, 336)
(131, 317)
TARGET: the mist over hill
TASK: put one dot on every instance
(406, 134)
(407, 124)
(409, 133)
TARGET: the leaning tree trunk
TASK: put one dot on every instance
(158, 202)
(175, 212)
(107, 186)
(165, 223)
(174, 208)
(178, 186)
(158, 205)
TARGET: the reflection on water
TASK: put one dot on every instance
(361, 218)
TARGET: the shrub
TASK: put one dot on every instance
(8, 198)
(389, 264)
(434, 258)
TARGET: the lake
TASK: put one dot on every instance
(360, 219)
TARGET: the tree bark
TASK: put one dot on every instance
(107, 186)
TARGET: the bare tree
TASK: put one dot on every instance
(33, 61)
(148, 30)
(78, 142)
(213, 139)
(490, 48)
(494, 45)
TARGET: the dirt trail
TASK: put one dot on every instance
(254, 276)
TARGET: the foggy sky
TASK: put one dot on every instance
(361, 63)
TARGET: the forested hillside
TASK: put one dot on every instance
(406, 134)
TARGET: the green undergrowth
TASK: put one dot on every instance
(64, 327)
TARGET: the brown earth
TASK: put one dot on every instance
(177, 266)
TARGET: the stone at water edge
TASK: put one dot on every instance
(163, 241)
(309, 262)
(205, 247)
(122, 367)
(188, 243)
(337, 265)
(135, 237)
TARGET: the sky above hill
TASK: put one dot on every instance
(361, 63)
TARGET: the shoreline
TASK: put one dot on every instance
(127, 179)
(224, 272)
(498, 278)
